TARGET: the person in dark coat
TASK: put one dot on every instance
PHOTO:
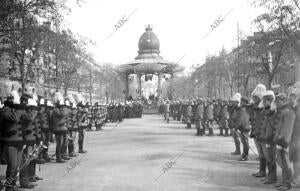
(82, 125)
(224, 118)
(266, 136)
(32, 137)
(189, 114)
(58, 120)
(283, 125)
(11, 118)
(256, 118)
(199, 117)
(234, 118)
(295, 143)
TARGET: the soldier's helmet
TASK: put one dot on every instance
(14, 95)
(259, 91)
(67, 103)
(32, 104)
(59, 99)
(236, 98)
(42, 102)
(49, 104)
(268, 95)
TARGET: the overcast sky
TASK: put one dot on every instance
(179, 24)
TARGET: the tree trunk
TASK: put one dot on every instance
(269, 85)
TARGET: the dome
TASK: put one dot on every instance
(148, 42)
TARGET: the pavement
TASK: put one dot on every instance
(148, 154)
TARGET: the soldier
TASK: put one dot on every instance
(265, 135)
(12, 116)
(43, 121)
(242, 126)
(295, 143)
(30, 136)
(199, 117)
(189, 115)
(72, 130)
(255, 114)
(1, 144)
(97, 116)
(167, 111)
(82, 125)
(204, 119)
(89, 115)
(283, 125)
(58, 120)
(217, 110)
(210, 118)
(68, 121)
(120, 112)
(224, 118)
(235, 102)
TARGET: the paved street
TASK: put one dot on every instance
(131, 156)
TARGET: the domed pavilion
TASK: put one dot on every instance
(148, 63)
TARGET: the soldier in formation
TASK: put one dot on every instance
(27, 124)
(271, 120)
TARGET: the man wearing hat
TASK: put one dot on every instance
(295, 143)
(82, 125)
(72, 130)
(210, 118)
(265, 136)
(44, 117)
(243, 127)
(59, 127)
(234, 117)
(12, 137)
(199, 117)
(224, 118)
(167, 111)
(67, 109)
(256, 118)
(189, 115)
(283, 124)
(31, 136)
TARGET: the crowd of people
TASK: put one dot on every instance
(272, 120)
(30, 123)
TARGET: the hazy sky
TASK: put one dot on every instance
(179, 24)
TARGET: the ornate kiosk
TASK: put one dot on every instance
(146, 65)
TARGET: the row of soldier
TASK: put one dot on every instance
(271, 120)
(27, 128)
(119, 111)
(202, 113)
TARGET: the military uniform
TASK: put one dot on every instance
(210, 118)
(31, 136)
(167, 111)
(199, 117)
(256, 118)
(82, 125)
(189, 114)
(265, 135)
(44, 122)
(72, 131)
(59, 128)
(283, 125)
(217, 116)
(12, 116)
(295, 145)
